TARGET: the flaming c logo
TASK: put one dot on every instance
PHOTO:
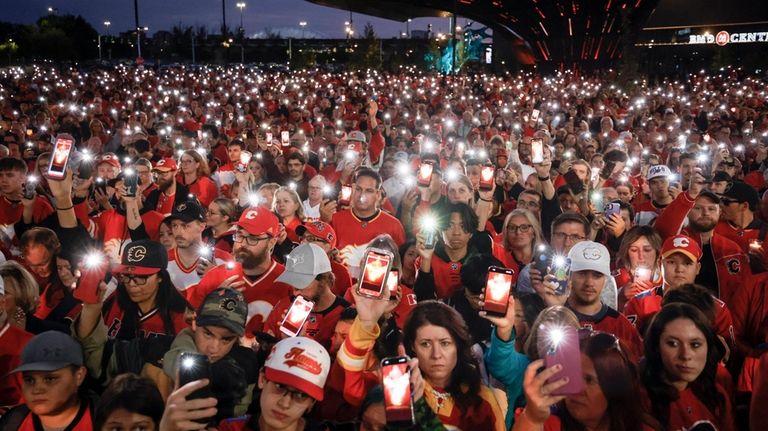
(136, 254)
(681, 242)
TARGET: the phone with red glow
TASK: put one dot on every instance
(61, 151)
(424, 178)
(285, 138)
(374, 275)
(498, 287)
(398, 400)
(537, 151)
(487, 177)
(93, 270)
(560, 345)
(393, 281)
(345, 196)
(296, 316)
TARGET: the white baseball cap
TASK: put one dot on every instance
(590, 256)
(356, 135)
(300, 362)
(656, 171)
(303, 264)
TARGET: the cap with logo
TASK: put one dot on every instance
(303, 264)
(590, 256)
(187, 211)
(257, 221)
(144, 257)
(110, 159)
(740, 192)
(299, 362)
(166, 164)
(356, 136)
(226, 308)
(657, 171)
(50, 351)
(681, 244)
(319, 229)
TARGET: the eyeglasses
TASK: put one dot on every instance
(312, 238)
(527, 204)
(562, 236)
(250, 240)
(138, 280)
(283, 390)
(523, 228)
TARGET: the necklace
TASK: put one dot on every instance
(440, 397)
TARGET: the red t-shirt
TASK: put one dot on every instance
(611, 321)
(81, 422)
(688, 409)
(204, 189)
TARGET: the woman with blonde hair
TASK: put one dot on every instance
(22, 296)
(195, 174)
(287, 205)
(520, 235)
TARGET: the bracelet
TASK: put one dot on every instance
(65, 209)
(542, 178)
(486, 200)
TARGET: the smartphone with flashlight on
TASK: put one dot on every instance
(393, 281)
(398, 400)
(345, 196)
(487, 174)
(373, 279)
(559, 345)
(61, 151)
(424, 178)
(268, 137)
(93, 270)
(285, 138)
(498, 287)
(194, 367)
(596, 199)
(537, 151)
(245, 158)
(542, 259)
(30, 186)
(296, 316)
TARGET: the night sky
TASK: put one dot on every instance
(257, 15)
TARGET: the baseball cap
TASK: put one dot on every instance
(144, 257)
(50, 351)
(590, 256)
(657, 171)
(226, 308)
(110, 159)
(319, 229)
(356, 135)
(303, 264)
(720, 176)
(299, 362)
(741, 192)
(187, 211)
(257, 221)
(165, 164)
(681, 244)
(709, 195)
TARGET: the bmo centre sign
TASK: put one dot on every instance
(723, 38)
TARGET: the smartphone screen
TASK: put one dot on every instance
(29, 187)
(641, 274)
(535, 115)
(560, 345)
(269, 137)
(398, 402)
(345, 196)
(245, 158)
(537, 151)
(498, 287)
(393, 281)
(561, 269)
(131, 182)
(425, 174)
(596, 199)
(487, 177)
(430, 239)
(285, 138)
(375, 269)
(58, 165)
(296, 316)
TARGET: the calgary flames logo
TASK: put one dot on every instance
(297, 358)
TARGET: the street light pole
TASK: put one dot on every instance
(106, 24)
(408, 28)
(303, 24)
(241, 6)
(138, 30)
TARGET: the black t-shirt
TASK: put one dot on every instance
(707, 276)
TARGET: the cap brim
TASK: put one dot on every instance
(295, 280)
(222, 323)
(296, 382)
(681, 251)
(576, 268)
(164, 169)
(178, 217)
(41, 366)
(300, 230)
(132, 269)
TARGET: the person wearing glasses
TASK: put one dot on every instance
(219, 218)
(253, 271)
(738, 222)
(521, 233)
(195, 174)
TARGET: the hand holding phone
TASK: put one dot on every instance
(62, 149)
(561, 270)
(498, 287)
(537, 151)
(487, 179)
(285, 138)
(194, 367)
(398, 399)
(93, 270)
(296, 316)
(345, 196)
(559, 345)
(376, 266)
(425, 174)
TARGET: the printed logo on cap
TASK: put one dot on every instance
(137, 253)
(681, 242)
(319, 226)
(251, 214)
(351, 147)
(228, 304)
(296, 358)
(161, 162)
(592, 253)
(181, 207)
(656, 169)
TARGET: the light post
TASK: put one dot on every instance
(408, 28)
(303, 24)
(241, 6)
(106, 24)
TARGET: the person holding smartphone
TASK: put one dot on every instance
(14, 207)
(638, 264)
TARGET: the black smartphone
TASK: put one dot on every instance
(498, 287)
(85, 171)
(542, 259)
(131, 182)
(101, 185)
(607, 170)
(398, 400)
(574, 182)
(193, 367)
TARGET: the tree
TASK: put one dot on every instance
(367, 53)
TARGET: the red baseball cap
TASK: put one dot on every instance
(165, 164)
(681, 244)
(319, 229)
(257, 221)
(110, 159)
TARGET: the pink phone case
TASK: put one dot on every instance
(567, 354)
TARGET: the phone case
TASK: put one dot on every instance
(561, 273)
(393, 282)
(88, 283)
(345, 196)
(61, 153)
(398, 400)
(487, 177)
(296, 316)
(193, 367)
(425, 174)
(373, 276)
(498, 287)
(562, 350)
(537, 151)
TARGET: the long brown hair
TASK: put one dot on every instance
(633, 235)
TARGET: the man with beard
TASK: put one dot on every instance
(308, 272)
(253, 272)
(169, 194)
(297, 178)
(724, 266)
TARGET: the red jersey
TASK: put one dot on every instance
(112, 230)
(447, 275)
(646, 213)
(343, 279)
(688, 409)
(611, 321)
(183, 277)
(354, 234)
(150, 324)
(261, 293)
(11, 213)
(750, 316)
(641, 309)
(290, 229)
(204, 189)
(81, 422)
(741, 236)
(12, 342)
(319, 325)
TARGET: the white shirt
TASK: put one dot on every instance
(312, 212)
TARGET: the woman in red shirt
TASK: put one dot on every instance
(195, 174)
(521, 234)
(287, 205)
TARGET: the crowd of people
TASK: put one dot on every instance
(159, 231)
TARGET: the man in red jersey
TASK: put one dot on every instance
(658, 181)
(13, 206)
(680, 257)
(323, 235)
(253, 272)
(169, 192)
(364, 221)
(739, 224)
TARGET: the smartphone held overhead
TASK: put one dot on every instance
(398, 400)
(61, 152)
(374, 274)
(559, 345)
(498, 287)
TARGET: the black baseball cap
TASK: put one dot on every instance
(187, 211)
(50, 351)
(720, 176)
(144, 257)
(741, 192)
